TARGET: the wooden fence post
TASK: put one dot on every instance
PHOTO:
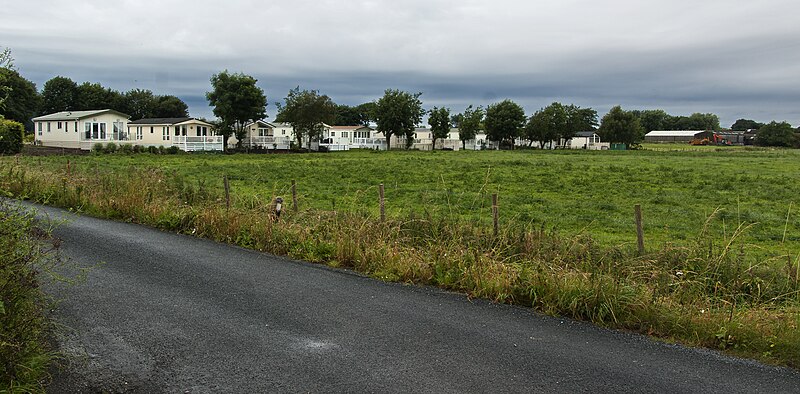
(495, 214)
(639, 229)
(294, 195)
(227, 192)
(383, 206)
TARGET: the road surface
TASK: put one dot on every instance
(173, 313)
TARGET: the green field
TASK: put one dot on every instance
(721, 226)
(569, 191)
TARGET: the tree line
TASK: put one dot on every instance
(236, 100)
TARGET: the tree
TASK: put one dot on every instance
(746, 124)
(654, 119)
(775, 134)
(236, 100)
(545, 124)
(504, 121)
(620, 126)
(59, 94)
(439, 120)
(138, 103)
(468, 124)
(307, 111)
(398, 113)
(170, 107)
(94, 96)
(21, 100)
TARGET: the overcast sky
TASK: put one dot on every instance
(738, 59)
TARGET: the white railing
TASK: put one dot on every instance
(269, 142)
(190, 143)
(106, 137)
(368, 143)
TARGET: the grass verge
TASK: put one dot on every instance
(26, 251)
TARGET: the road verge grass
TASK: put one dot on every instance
(712, 292)
(26, 252)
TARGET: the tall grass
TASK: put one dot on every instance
(713, 291)
(26, 251)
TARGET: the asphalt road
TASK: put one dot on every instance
(173, 313)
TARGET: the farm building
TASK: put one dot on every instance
(677, 135)
(81, 129)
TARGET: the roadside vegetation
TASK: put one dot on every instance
(720, 267)
(26, 251)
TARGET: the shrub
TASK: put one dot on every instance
(98, 147)
(23, 338)
(152, 149)
(138, 149)
(161, 149)
(11, 136)
(172, 150)
(125, 148)
(111, 147)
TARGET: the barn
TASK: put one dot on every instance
(677, 135)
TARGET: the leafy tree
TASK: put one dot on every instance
(11, 136)
(700, 121)
(545, 124)
(439, 120)
(236, 100)
(21, 100)
(746, 124)
(775, 134)
(307, 111)
(170, 107)
(620, 126)
(59, 94)
(138, 103)
(6, 60)
(398, 113)
(654, 119)
(95, 96)
(578, 119)
(347, 116)
(504, 121)
(468, 124)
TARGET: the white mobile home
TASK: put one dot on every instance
(188, 134)
(81, 129)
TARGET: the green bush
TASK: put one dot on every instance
(152, 149)
(111, 147)
(24, 353)
(11, 136)
(161, 149)
(172, 150)
(98, 147)
(125, 148)
(138, 149)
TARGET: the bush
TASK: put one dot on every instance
(125, 148)
(161, 149)
(111, 147)
(11, 136)
(23, 327)
(152, 149)
(138, 149)
(98, 147)
(172, 150)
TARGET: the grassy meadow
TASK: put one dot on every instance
(721, 226)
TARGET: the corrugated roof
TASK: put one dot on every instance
(76, 115)
(674, 133)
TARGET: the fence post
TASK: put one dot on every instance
(68, 168)
(639, 229)
(294, 195)
(227, 192)
(383, 206)
(495, 214)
